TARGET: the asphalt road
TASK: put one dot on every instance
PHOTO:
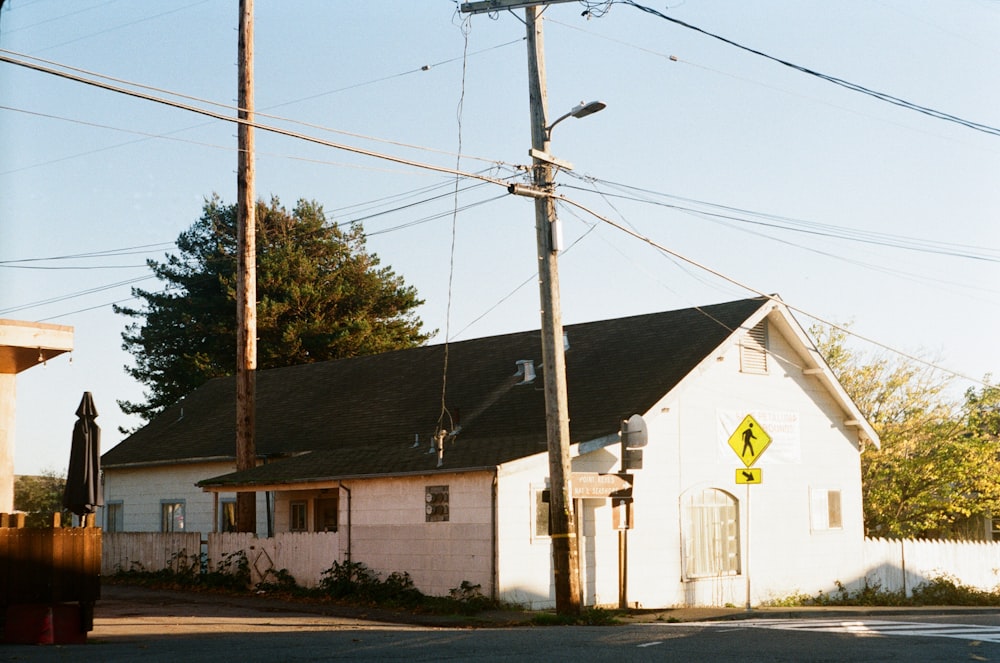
(132, 624)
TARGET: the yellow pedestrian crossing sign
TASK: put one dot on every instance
(749, 440)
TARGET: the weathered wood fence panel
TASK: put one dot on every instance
(50, 565)
(304, 555)
(150, 551)
(902, 564)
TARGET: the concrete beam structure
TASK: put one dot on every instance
(22, 345)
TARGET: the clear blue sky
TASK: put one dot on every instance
(84, 170)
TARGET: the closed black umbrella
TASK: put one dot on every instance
(83, 481)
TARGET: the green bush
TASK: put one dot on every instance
(945, 590)
(941, 590)
(356, 582)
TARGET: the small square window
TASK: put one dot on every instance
(825, 510)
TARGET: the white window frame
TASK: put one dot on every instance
(826, 509)
(711, 533)
(172, 513)
(539, 522)
(114, 516)
(293, 506)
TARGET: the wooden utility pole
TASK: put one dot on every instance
(246, 276)
(565, 548)
(562, 521)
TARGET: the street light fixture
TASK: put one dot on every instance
(581, 110)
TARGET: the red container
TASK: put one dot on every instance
(43, 624)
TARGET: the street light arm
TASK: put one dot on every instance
(581, 110)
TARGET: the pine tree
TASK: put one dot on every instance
(320, 296)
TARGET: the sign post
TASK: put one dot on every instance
(748, 442)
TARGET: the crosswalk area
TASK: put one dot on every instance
(871, 628)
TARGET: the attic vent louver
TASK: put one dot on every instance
(525, 371)
(753, 349)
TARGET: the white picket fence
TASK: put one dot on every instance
(148, 551)
(902, 564)
(893, 564)
(304, 555)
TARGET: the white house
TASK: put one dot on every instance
(749, 487)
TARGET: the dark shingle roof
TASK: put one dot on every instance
(360, 416)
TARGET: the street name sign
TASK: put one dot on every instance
(593, 485)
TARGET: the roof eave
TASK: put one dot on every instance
(315, 483)
(170, 462)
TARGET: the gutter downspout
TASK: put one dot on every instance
(347, 556)
(494, 570)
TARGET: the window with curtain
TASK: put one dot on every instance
(711, 533)
(227, 515)
(327, 512)
(172, 516)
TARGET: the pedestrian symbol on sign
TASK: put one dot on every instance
(749, 440)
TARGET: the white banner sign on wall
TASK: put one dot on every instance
(783, 427)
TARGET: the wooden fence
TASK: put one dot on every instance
(150, 551)
(893, 564)
(304, 555)
(902, 564)
(50, 565)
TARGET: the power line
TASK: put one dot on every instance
(74, 295)
(759, 293)
(881, 96)
(812, 99)
(903, 242)
(237, 120)
(260, 113)
(105, 253)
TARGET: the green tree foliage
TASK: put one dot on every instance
(320, 296)
(935, 473)
(40, 496)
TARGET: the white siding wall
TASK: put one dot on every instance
(389, 532)
(525, 559)
(143, 490)
(786, 556)
(525, 562)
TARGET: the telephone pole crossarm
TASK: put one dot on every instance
(497, 5)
